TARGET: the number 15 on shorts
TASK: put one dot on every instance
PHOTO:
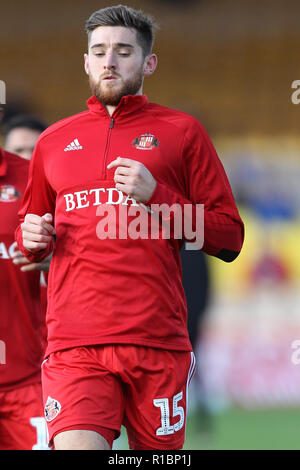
(163, 404)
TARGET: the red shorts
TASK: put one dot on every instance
(99, 388)
(22, 425)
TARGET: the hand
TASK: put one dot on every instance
(44, 265)
(37, 232)
(133, 178)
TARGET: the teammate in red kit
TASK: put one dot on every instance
(22, 424)
(118, 346)
(20, 134)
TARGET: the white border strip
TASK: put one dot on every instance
(189, 378)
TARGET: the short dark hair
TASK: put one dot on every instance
(122, 15)
(24, 121)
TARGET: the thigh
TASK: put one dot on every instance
(81, 393)
(82, 439)
(156, 404)
(22, 425)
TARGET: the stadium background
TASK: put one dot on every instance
(231, 64)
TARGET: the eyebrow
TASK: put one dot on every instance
(118, 44)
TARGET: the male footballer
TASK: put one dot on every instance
(22, 320)
(118, 346)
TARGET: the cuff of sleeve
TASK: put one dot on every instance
(39, 255)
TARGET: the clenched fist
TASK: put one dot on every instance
(37, 232)
(133, 178)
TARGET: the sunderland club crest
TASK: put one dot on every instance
(145, 142)
(8, 193)
(52, 408)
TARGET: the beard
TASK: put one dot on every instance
(111, 95)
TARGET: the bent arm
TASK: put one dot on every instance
(38, 200)
(206, 184)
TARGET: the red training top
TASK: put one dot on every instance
(103, 291)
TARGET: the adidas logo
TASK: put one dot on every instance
(75, 145)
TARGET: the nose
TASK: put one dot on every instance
(110, 62)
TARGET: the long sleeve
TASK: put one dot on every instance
(39, 199)
(206, 183)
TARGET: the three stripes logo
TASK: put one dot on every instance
(75, 145)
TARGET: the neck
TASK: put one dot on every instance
(110, 109)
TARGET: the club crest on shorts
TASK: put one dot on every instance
(8, 193)
(145, 142)
(52, 408)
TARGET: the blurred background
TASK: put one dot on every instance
(231, 64)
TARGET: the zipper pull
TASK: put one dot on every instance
(111, 125)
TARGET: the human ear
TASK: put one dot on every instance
(150, 64)
(86, 64)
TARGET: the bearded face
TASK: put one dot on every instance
(115, 64)
(110, 87)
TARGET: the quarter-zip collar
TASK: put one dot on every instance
(3, 163)
(128, 105)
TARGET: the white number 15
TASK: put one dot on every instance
(163, 404)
